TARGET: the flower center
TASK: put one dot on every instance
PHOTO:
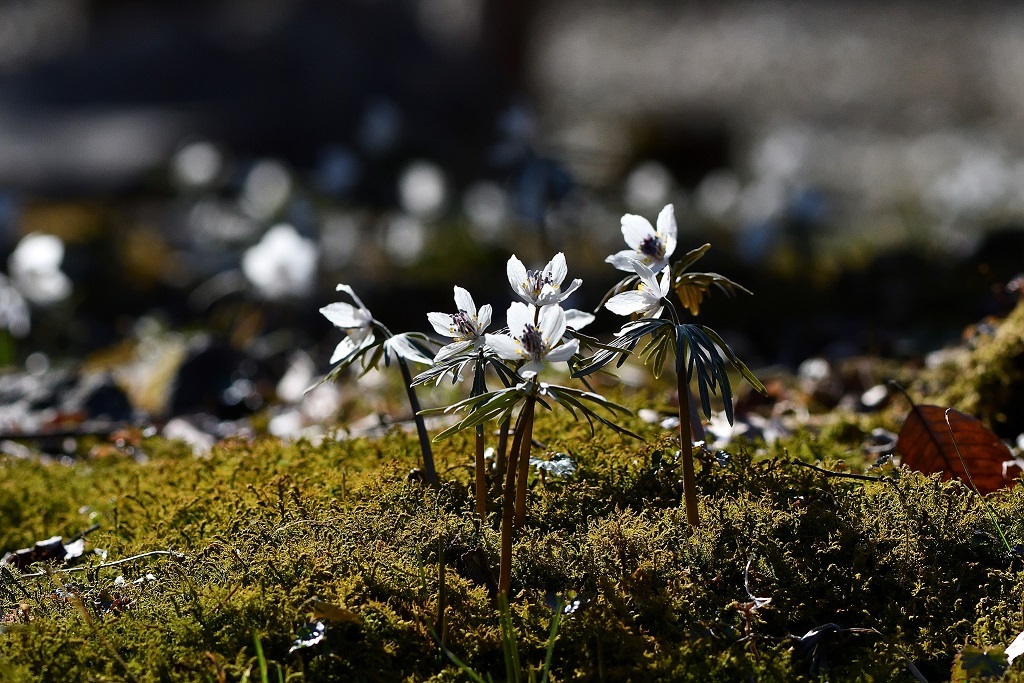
(464, 324)
(535, 281)
(652, 246)
(533, 341)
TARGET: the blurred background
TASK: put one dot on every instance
(212, 168)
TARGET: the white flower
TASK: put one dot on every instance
(647, 245)
(282, 264)
(532, 341)
(541, 287)
(466, 328)
(357, 321)
(34, 266)
(646, 299)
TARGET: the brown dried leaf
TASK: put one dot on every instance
(927, 446)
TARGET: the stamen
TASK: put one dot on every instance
(533, 341)
(464, 324)
(536, 279)
(653, 247)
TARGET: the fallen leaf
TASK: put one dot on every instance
(927, 446)
(52, 549)
(974, 663)
(325, 610)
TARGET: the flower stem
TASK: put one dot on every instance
(429, 471)
(696, 427)
(524, 462)
(481, 474)
(501, 453)
(686, 448)
(508, 506)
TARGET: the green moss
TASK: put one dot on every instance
(264, 528)
(987, 382)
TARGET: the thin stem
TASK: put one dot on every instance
(480, 388)
(686, 449)
(988, 510)
(696, 426)
(481, 474)
(501, 453)
(524, 463)
(508, 508)
(429, 472)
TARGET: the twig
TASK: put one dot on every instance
(105, 565)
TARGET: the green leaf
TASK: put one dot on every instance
(736, 362)
(494, 404)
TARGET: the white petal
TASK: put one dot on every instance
(464, 301)
(483, 318)
(623, 259)
(361, 336)
(351, 292)
(519, 315)
(563, 352)
(443, 323)
(531, 369)
(551, 324)
(516, 273)
(635, 229)
(627, 303)
(665, 284)
(556, 270)
(577, 319)
(505, 346)
(647, 276)
(345, 316)
(451, 350)
(343, 350)
(571, 288)
(667, 228)
(400, 345)
(656, 265)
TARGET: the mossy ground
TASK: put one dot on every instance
(264, 528)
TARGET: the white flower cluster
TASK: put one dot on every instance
(538, 326)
